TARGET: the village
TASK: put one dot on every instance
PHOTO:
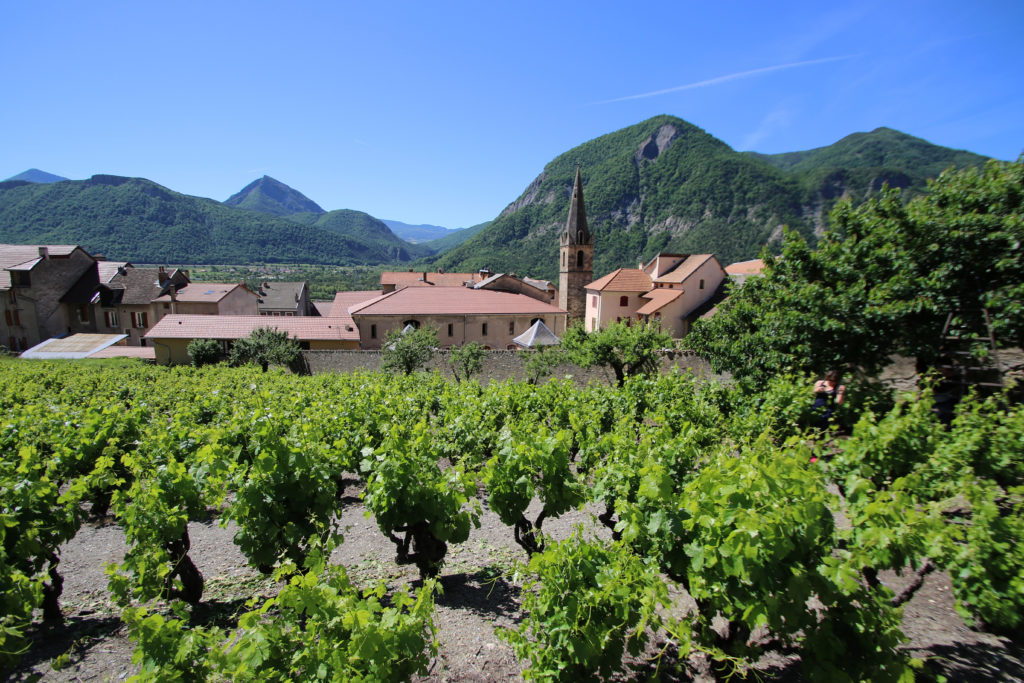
(60, 301)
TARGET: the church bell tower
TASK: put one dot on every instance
(576, 257)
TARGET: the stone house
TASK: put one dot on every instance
(669, 289)
(33, 280)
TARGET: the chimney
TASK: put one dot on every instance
(121, 270)
(162, 275)
(424, 276)
(44, 252)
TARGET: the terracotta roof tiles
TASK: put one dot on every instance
(686, 268)
(412, 301)
(658, 299)
(303, 328)
(622, 280)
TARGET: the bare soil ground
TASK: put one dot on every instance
(479, 595)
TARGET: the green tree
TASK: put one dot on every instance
(408, 351)
(882, 282)
(265, 347)
(541, 362)
(466, 360)
(205, 352)
(627, 349)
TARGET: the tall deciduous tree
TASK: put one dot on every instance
(882, 282)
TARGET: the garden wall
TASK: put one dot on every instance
(499, 365)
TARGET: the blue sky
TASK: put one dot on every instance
(443, 112)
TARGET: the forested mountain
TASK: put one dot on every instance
(443, 244)
(136, 219)
(366, 229)
(34, 175)
(666, 185)
(660, 185)
(861, 163)
(267, 195)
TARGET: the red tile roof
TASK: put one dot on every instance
(303, 328)
(623, 280)
(412, 301)
(686, 268)
(421, 278)
(752, 267)
(658, 299)
(344, 300)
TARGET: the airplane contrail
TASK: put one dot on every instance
(729, 77)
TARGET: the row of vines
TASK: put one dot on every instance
(705, 490)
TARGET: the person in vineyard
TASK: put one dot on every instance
(828, 394)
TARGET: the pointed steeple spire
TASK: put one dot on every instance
(576, 230)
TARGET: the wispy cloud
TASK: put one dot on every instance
(780, 117)
(729, 77)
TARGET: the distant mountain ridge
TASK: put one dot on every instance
(267, 195)
(418, 233)
(660, 185)
(34, 175)
(666, 185)
(136, 219)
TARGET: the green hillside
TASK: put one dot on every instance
(136, 219)
(366, 229)
(267, 195)
(443, 244)
(666, 185)
(661, 185)
(862, 162)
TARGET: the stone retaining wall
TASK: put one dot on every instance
(499, 365)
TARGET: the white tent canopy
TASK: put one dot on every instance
(538, 335)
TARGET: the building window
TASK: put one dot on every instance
(166, 306)
(593, 324)
(415, 324)
(451, 330)
(83, 313)
(140, 321)
(110, 318)
(12, 298)
(511, 326)
(563, 260)
(702, 284)
(24, 344)
(535, 321)
(579, 258)
(593, 300)
(8, 318)
(623, 300)
(483, 330)
(17, 318)
(373, 331)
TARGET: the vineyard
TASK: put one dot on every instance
(650, 528)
